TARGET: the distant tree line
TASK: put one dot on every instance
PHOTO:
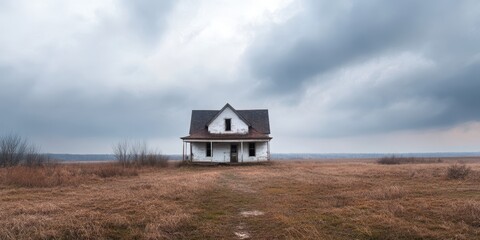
(16, 150)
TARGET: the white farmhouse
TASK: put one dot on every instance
(228, 136)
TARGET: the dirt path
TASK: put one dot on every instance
(233, 208)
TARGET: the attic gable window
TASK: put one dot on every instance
(228, 124)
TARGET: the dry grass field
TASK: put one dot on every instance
(281, 200)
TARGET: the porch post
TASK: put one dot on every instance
(268, 150)
(183, 151)
(211, 149)
(241, 144)
(191, 154)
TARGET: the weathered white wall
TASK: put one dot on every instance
(221, 152)
(261, 152)
(199, 152)
(218, 124)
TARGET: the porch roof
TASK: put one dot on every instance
(224, 140)
(205, 135)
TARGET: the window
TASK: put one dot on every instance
(209, 149)
(228, 124)
(251, 149)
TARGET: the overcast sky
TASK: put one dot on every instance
(336, 76)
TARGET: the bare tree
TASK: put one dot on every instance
(121, 152)
(32, 158)
(12, 150)
(138, 154)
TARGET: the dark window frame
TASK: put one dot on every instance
(228, 124)
(252, 150)
(208, 151)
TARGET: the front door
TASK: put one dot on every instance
(233, 153)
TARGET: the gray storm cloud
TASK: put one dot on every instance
(148, 18)
(61, 89)
(101, 71)
(329, 37)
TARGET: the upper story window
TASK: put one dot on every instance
(228, 124)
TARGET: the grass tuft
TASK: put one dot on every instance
(457, 171)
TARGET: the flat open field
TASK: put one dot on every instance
(282, 200)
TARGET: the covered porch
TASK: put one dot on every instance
(226, 151)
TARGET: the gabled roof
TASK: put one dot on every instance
(257, 119)
(200, 118)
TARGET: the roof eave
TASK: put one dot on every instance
(225, 138)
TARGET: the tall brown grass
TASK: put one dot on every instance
(407, 160)
(37, 177)
(387, 193)
(298, 200)
(62, 174)
(467, 212)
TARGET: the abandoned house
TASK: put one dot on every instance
(228, 136)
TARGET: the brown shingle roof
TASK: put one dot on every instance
(256, 118)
